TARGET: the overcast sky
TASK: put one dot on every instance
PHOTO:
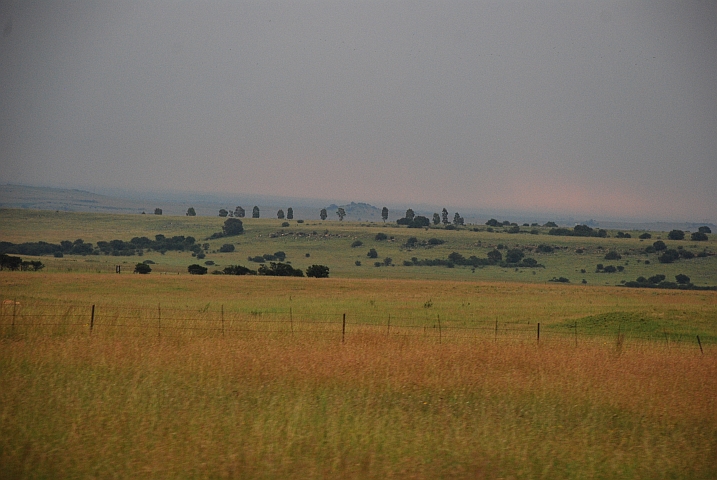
(594, 108)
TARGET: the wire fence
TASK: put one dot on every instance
(36, 318)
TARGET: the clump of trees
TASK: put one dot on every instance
(317, 271)
(142, 268)
(136, 246)
(196, 269)
(413, 242)
(237, 270)
(676, 235)
(192, 213)
(411, 220)
(682, 282)
(8, 262)
(578, 231)
(275, 269)
(513, 258)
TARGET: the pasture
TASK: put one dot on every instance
(617, 386)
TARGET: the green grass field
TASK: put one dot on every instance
(617, 387)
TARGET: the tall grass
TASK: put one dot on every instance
(376, 407)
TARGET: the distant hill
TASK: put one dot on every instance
(41, 198)
(356, 211)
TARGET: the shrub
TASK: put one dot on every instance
(435, 241)
(317, 271)
(669, 256)
(387, 261)
(682, 279)
(356, 243)
(676, 235)
(686, 254)
(613, 255)
(659, 246)
(196, 269)
(609, 269)
(142, 268)
(514, 255)
(377, 264)
(704, 229)
(280, 270)
(226, 248)
(645, 236)
(545, 249)
(232, 226)
(357, 263)
(285, 224)
(380, 237)
(699, 237)
(560, 280)
(372, 253)
(655, 279)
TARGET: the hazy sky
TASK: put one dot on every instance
(594, 108)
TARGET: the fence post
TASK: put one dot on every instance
(343, 330)
(576, 334)
(159, 320)
(440, 337)
(538, 332)
(14, 310)
(92, 319)
(496, 330)
(700, 344)
(388, 330)
(291, 320)
(222, 319)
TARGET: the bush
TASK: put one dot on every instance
(284, 224)
(699, 237)
(645, 236)
(655, 279)
(559, 280)
(609, 269)
(682, 279)
(669, 256)
(232, 226)
(545, 249)
(356, 243)
(377, 264)
(372, 253)
(196, 269)
(613, 255)
(514, 256)
(226, 248)
(676, 235)
(380, 237)
(704, 229)
(659, 246)
(387, 261)
(357, 263)
(317, 271)
(280, 270)
(435, 241)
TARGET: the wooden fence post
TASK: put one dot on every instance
(222, 319)
(388, 330)
(440, 339)
(343, 330)
(538, 332)
(576, 334)
(700, 344)
(159, 320)
(291, 320)
(496, 330)
(14, 310)
(92, 319)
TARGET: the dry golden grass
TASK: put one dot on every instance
(292, 407)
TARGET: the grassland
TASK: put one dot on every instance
(633, 397)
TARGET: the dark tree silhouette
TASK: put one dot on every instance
(384, 214)
(289, 213)
(323, 214)
(255, 212)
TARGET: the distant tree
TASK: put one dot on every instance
(612, 255)
(239, 212)
(444, 217)
(158, 211)
(8, 262)
(384, 214)
(223, 213)
(255, 212)
(142, 268)
(436, 219)
(410, 214)
(196, 269)
(289, 213)
(323, 214)
(514, 255)
(317, 271)
(659, 245)
(372, 253)
(232, 226)
(388, 261)
(495, 256)
(356, 243)
(341, 213)
(669, 256)
(419, 221)
(656, 278)
(682, 279)
(457, 219)
(285, 224)
(492, 222)
(676, 235)
(699, 237)
(238, 270)
(551, 225)
(226, 248)
(191, 212)
(704, 229)
(380, 236)
(280, 214)
(645, 236)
